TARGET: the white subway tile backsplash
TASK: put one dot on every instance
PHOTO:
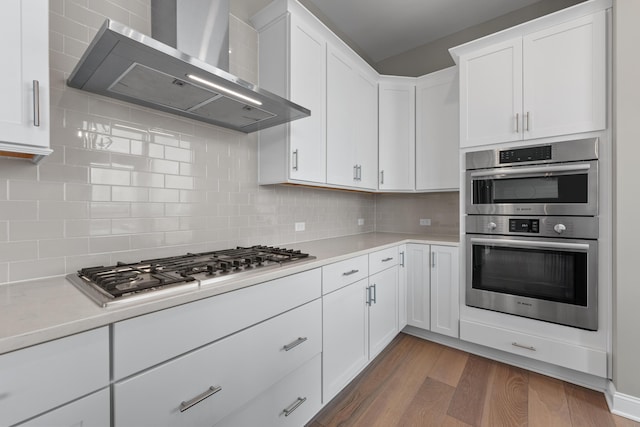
(87, 193)
(109, 210)
(18, 210)
(87, 227)
(48, 210)
(179, 182)
(52, 248)
(148, 210)
(64, 173)
(4, 231)
(110, 176)
(109, 244)
(129, 194)
(164, 195)
(16, 251)
(34, 269)
(34, 230)
(35, 190)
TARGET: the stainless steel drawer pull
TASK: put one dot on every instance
(199, 398)
(299, 401)
(368, 301)
(526, 347)
(294, 344)
(402, 258)
(433, 259)
(373, 299)
(36, 103)
(295, 160)
(517, 123)
(387, 259)
(349, 273)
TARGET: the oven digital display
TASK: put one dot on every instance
(524, 225)
(528, 154)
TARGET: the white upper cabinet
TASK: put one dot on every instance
(292, 63)
(352, 116)
(396, 126)
(437, 131)
(24, 79)
(546, 83)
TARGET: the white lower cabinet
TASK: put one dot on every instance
(383, 309)
(433, 288)
(210, 383)
(37, 379)
(91, 411)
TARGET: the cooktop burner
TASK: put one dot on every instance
(158, 277)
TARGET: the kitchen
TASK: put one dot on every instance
(127, 183)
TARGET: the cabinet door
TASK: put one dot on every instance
(383, 309)
(24, 42)
(93, 410)
(418, 279)
(345, 340)
(308, 76)
(341, 83)
(565, 78)
(402, 287)
(491, 95)
(444, 290)
(437, 131)
(365, 113)
(396, 134)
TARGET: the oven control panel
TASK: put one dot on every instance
(523, 225)
(528, 154)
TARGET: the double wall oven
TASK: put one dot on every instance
(532, 232)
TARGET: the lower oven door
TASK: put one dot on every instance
(555, 280)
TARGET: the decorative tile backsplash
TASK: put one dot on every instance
(126, 183)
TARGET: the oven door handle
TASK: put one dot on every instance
(532, 244)
(539, 170)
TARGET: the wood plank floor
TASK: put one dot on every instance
(420, 383)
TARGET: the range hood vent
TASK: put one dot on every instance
(125, 64)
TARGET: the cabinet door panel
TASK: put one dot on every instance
(93, 410)
(366, 130)
(444, 290)
(565, 78)
(491, 95)
(418, 278)
(383, 311)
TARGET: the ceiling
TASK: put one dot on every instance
(383, 28)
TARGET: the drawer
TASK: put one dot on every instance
(93, 410)
(39, 378)
(382, 260)
(243, 366)
(340, 274)
(291, 402)
(151, 339)
(559, 353)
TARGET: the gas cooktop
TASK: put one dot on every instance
(126, 283)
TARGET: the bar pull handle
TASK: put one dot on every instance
(199, 398)
(517, 122)
(402, 259)
(387, 259)
(349, 273)
(359, 172)
(527, 128)
(526, 347)
(368, 301)
(36, 103)
(294, 344)
(373, 300)
(433, 259)
(382, 177)
(295, 160)
(355, 172)
(299, 401)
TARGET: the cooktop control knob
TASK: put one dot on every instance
(559, 228)
(492, 226)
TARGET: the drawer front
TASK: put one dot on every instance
(93, 410)
(381, 260)
(39, 378)
(290, 403)
(243, 366)
(340, 274)
(137, 344)
(571, 356)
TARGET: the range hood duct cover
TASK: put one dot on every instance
(175, 75)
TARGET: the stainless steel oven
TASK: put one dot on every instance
(551, 179)
(532, 232)
(551, 277)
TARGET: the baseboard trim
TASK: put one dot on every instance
(622, 404)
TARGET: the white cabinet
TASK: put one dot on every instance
(402, 287)
(39, 378)
(546, 83)
(292, 64)
(396, 125)
(93, 410)
(433, 288)
(24, 79)
(383, 309)
(437, 131)
(352, 117)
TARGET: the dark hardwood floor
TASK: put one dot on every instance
(420, 383)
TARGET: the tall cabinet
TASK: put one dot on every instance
(24, 79)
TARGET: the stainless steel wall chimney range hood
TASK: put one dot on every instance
(173, 71)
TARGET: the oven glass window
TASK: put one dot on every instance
(554, 189)
(536, 273)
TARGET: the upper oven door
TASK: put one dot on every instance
(549, 189)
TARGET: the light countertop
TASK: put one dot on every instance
(41, 310)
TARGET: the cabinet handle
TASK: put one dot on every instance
(36, 103)
(526, 347)
(349, 273)
(355, 172)
(433, 259)
(294, 344)
(382, 177)
(295, 160)
(373, 300)
(199, 398)
(368, 301)
(299, 401)
(517, 122)
(527, 128)
(359, 172)
(387, 259)
(401, 259)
